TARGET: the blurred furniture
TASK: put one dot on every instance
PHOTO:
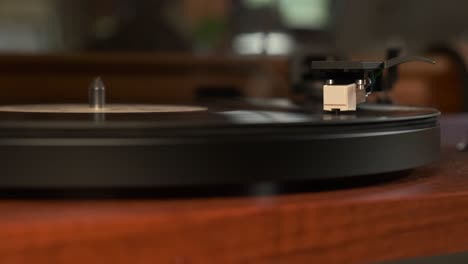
(422, 214)
(187, 78)
(139, 77)
(441, 86)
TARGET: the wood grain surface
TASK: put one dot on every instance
(422, 214)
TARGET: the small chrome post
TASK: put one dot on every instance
(97, 94)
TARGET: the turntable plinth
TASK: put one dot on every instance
(423, 214)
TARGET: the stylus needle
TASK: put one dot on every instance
(97, 94)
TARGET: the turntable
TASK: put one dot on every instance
(127, 146)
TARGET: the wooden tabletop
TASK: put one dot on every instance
(424, 213)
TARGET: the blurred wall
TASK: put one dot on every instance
(369, 25)
(29, 25)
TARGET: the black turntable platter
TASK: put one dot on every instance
(210, 145)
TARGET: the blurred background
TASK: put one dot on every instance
(191, 50)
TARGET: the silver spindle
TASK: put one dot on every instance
(97, 94)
